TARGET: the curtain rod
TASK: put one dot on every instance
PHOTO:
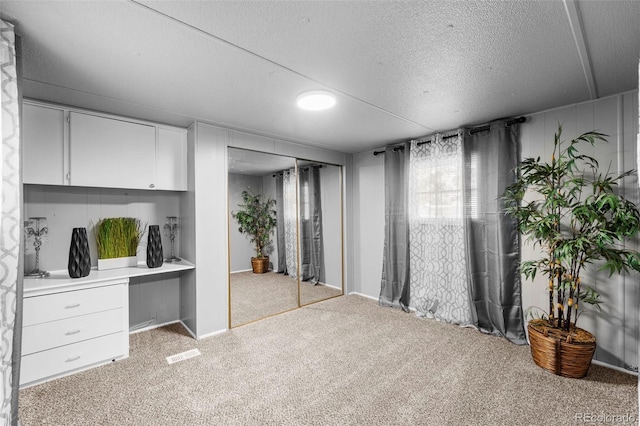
(400, 148)
(488, 126)
(471, 132)
(429, 140)
(396, 149)
(314, 165)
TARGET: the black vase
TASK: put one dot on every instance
(154, 247)
(79, 257)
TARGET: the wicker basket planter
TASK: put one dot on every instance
(566, 354)
(260, 265)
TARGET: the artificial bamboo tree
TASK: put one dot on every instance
(577, 216)
(256, 219)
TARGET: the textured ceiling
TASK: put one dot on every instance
(400, 69)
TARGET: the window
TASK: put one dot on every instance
(436, 179)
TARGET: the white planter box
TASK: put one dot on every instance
(117, 262)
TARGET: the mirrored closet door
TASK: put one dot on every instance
(253, 296)
(305, 248)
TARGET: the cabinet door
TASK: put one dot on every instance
(171, 160)
(111, 153)
(43, 145)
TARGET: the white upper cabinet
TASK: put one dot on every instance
(111, 153)
(171, 160)
(43, 159)
(67, 146)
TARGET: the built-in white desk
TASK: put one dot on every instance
(59, 281)
(72, 324)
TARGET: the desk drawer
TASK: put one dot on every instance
(68, 358)
(52, 307)
(40, 337)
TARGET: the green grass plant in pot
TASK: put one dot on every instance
(118, 237)
(256, 219)
(576, 216)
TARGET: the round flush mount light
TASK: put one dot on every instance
(316, 100)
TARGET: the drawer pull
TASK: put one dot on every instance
(72, 305)
(73, 358)
(71, 332)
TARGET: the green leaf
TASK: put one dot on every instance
(590, 296)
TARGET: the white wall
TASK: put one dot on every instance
(368, 223)
(188, 284)
(154, 298)
(67, 207)
(616, 116)
(207, 311)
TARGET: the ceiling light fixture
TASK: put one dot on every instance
(316, 100)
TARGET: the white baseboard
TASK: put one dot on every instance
(203, 336)
(215, 333)
(325, 285)
(355, 293)
(251, 270)
(151, 327)
(613, 367)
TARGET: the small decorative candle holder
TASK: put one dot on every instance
(36, 231)
(170, 230)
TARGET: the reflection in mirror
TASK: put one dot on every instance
(258, 295)
(320, 228)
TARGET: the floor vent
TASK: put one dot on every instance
(182, 356)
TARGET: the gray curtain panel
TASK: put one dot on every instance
(10, 226)
(394, 289)
(282, 264)
(311, 254)
(492, 239)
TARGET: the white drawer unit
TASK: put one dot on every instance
(58, 361)
(74, 329)
(71, 304)
(52, 334)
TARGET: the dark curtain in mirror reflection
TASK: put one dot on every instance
(311, 255)
(311, 247)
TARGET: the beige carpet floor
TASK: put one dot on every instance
(344, 361)
(257, 296)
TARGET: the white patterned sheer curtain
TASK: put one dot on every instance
(10, 229)
(290, 222)
(438, 269)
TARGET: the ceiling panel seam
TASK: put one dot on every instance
(575, 22)
(284, 67)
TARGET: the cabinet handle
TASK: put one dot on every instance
(73, 358)
(151, 185)
(72, 305)
(72, 332)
